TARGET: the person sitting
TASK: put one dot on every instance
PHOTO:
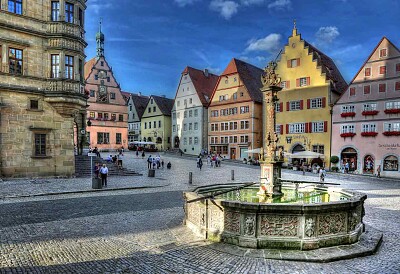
(114, 159)
(169, 165)
(109, 159)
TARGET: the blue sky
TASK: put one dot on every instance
(150, 42)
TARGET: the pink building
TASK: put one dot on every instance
(366, 118)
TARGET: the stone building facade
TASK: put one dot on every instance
(190, 111)
(235, 111)
(366, 118)
(311, 84)
(41, 87)
(107, 111)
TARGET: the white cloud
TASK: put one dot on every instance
(280, 4)
(183, 3)
(327, 34)
(97, 5)
(226, 8)
(270, 43)
(252, 2)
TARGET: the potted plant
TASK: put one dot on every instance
(334, 160)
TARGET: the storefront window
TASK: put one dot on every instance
(391, 163)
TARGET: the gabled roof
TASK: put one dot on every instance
(250, 76)
(165, 104)
(369, 57)
(89, 66)
(204, 83)
(125, 95)
(140, 102)
(328, 67)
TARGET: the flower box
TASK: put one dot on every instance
(391, 133)
(369, 134)
(370, 112)
(347, 134)
(348, 114)
(392, 111)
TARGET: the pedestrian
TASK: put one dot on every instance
(208, 160)
(378, 171)
(162, 163)
(169, 165)
(346, 167)
(200, 164)
(149, 162)
(120, 157)
(197, 160)
(96, 170)
(303, 167)
(103, 174)
(322, 174)
(143, 154)
(137, 153)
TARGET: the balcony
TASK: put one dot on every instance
(66, 44)
(66, 86)
(61, 27)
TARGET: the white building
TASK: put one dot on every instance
(190, 111)
(136, 106)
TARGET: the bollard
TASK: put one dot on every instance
(190, 178)
(232, 175)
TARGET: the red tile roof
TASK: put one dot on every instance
(250, 76)
(89, 66)
(203, 82)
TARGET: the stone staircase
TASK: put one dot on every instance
(82, 167)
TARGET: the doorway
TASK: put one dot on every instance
(349, 159)
(176, 142)
(233, 153)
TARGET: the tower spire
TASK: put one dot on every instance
(100, 41)
(294, 32)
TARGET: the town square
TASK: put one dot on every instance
(199, 136)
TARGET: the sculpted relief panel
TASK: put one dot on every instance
(279, 225)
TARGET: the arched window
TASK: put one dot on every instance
(149, 139)
(144, 139)
(391, 163)
(159, 140)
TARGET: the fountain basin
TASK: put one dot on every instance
(283, 223)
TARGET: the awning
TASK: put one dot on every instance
(255, 150)
(142, 143)
(307, 154)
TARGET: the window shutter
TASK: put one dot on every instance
(287, 84)
(308, 81)
(310, 127)
(298, 61)
(324, 102)
(325, 126)
(289, 64)
(298, 82)
(281, 107)
(306, 127)
(287, 106)
(281, 129)
(301, 104)
(308, 103)
(287, 128)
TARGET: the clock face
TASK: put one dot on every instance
(102, 74)
(293, 45)
(102, 89)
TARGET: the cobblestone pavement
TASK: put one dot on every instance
(140, 230)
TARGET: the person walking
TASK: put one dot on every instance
(103, 174)
(322, 174)
(149, 162)
(137, 153)
(97, 170)
(162, 163)
(378, 172)
(200, 163)
(143, 154)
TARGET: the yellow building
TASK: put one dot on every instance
(311, 84)
(156, 122)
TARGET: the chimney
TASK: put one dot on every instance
(206, 72)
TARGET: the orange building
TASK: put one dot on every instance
(235, 111)
(107, 111)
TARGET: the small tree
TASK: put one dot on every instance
(334, 159)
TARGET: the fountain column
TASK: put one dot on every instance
(271, 158)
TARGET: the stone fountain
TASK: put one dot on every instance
(274, 213)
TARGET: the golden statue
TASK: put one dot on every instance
(269, 77)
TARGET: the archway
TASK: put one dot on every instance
(349, 158)
(369, 164)
(298, 148)
(158, 140)
(391, 163)
(176, 142)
